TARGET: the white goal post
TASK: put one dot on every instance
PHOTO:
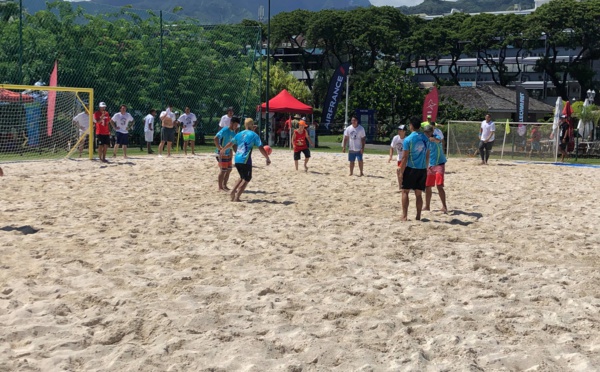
(530, 140)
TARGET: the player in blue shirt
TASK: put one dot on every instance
(436, 170)
(224, 160)
(245, 141)
(414, 166)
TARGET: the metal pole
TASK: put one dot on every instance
(260, 50)
(162, 74)
(268, 70)
(20, 42)
(347, 93)
(544, 94)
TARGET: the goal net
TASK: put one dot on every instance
(522, 140)
(40, 122)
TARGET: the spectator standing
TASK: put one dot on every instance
(167, 119)
(396, 144)
(102, 123)
(82, 122)
(487, 135)
(189, 122)
(149, 129)
(355, 137)
(121, 122)
(225, 119)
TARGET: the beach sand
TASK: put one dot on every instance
(142, 265)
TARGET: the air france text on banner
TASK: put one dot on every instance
(334, 94)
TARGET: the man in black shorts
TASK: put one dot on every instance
(413, 168)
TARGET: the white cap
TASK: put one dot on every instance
(102, 104)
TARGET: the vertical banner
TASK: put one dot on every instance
(334, 93)
(430, 105)
(52, 97)
(522, 105)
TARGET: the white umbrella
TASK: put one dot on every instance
(558, 108)
(584, 129)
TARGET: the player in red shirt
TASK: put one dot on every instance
(102, 122)
(299, 140)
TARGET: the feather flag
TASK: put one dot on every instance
(507, 128)
(52, 98)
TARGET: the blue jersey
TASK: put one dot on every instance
(416, 144)
(436, 153)
(225, 136)
(245, 141)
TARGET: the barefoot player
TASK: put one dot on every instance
(414, 166)
(245, 141)
(224, 160)
(436, 169)
(300, 139)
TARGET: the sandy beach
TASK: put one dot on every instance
(142, 265)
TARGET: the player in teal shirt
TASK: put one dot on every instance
(246, 140)
(414, 166)
(224, 160)
(436, 170)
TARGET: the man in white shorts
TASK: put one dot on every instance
(149, 129)
(82, 121)
(396, 144)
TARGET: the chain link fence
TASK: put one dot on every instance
(139, 58)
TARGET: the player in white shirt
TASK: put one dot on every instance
(396, 144)
(149, 129)
(82, 121)
(355, 137)
(487, 135)
(188, 122)
(121, 122)
(226, 119)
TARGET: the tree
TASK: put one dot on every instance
(567, 25)
(376, 90)
(491, 37)
(280, 79)
(436, 39)
(292, 28)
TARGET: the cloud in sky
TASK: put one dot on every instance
(396, 2)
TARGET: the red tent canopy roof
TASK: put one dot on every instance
(10, 96)
(285, 102)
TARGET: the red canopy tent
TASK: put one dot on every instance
(10, 96)
(285, 102)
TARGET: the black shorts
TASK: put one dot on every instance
(245, 171)
(123, 139)
(167, 134)
(563, 146)
(414, 179)
(103, 139)
(306, 153)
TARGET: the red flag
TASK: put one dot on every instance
(430, 105)
(52, 97)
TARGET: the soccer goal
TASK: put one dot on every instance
(41, 122)
(522, 140)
